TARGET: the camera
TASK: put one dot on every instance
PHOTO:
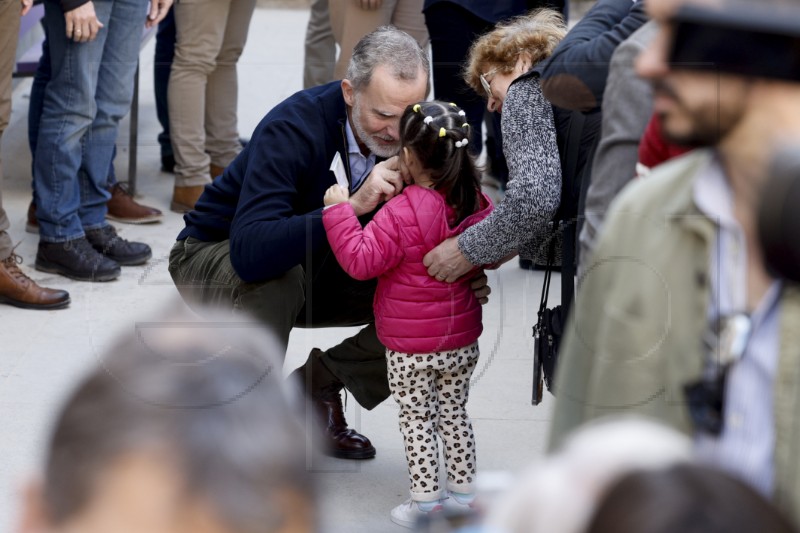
(746, 40)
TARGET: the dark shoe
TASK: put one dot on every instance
(184, 198)
(168, 163)
(214, 170)
(123, 208)
(106, 241)
(19, 290)
(340, 441)
(76, 259)
(32, 224)
(324, 391)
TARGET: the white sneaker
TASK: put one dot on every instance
(454, 504)
(407, 513)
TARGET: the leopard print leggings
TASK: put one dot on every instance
(432, 390)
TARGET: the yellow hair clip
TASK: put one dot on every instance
(416, 108)
(453, 104)
(465, 125)
(442, 132)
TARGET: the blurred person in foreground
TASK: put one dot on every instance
(686, 498)
(677, 317)
(182, 428)
(559, 493)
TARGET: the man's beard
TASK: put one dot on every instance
(706, 128)
(377, 149)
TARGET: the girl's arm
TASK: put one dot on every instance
(367, 252)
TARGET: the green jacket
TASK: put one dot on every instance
(635, 336)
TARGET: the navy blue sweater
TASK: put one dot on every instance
(268, 202)
(574, 77)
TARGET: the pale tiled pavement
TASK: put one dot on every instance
(43, 353)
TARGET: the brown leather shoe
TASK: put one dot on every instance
(123, 208)
(215, 171)
(19, 290)
(184, 198)
(324, 391)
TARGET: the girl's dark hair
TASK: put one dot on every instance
(434, 141)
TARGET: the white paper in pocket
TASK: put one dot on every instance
(337, 167)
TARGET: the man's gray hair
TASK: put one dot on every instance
(386, 46)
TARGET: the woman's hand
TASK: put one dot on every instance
(336, 194)
(446, 262)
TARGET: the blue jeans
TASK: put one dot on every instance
(89, 92)
(36, 103)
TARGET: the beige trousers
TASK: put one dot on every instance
(350, 23)
(9, 21)
(203, 88)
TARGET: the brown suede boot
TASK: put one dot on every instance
(123, 208)
(19, 290)
(184, 198)
(323, 389)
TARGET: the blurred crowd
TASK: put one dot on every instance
(636, 151)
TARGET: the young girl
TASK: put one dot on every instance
(430, 328)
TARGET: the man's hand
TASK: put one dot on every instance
(26, 6)
(382, 184)
(480, 287)
(158, 10)
(370, 5)
(82, 23)
(336, 194)
(446, 262)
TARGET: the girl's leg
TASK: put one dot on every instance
(412, 386)
(455, 426)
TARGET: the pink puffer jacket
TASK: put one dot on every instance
(414, 313)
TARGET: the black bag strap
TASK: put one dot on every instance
(569, 169)
(551, 256)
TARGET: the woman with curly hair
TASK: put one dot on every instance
(500, 66)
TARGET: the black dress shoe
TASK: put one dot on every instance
(106, 241)
(168, 163)
(75, 259)
(339, 440)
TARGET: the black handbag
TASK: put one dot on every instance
(546, 338)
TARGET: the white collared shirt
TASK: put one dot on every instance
(747, 443)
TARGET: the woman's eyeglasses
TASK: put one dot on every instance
(486, 85)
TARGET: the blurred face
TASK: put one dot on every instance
(496, 82)
(141, 493)
(375, 110)
(696, 108)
